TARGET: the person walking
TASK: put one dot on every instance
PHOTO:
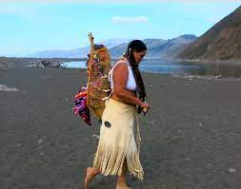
(118, 151)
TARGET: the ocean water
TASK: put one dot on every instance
(176, 68)
(74, 64)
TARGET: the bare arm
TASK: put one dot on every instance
(120, 77)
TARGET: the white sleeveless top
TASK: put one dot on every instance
(131, 83)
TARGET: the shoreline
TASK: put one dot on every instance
(206, 61)
(218, 69)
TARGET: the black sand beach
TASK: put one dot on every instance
(191, 138)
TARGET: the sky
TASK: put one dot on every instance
(30, 26)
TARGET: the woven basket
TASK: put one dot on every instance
(99, 65)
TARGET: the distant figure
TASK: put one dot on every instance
(117, 150)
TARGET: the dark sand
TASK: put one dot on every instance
(191, 139)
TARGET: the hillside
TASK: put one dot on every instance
(221, 42)
(158, 48)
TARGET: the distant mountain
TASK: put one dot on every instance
(118, 50)
(76, 53)
(158, 48)
(171, 48)
(221, 42)
(58, 53)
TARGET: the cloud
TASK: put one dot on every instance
(129, 19)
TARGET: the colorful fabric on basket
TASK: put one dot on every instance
(81, 107)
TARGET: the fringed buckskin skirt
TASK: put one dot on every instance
(117, 141)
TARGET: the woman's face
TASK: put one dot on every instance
(138, 56)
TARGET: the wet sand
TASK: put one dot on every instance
(191, 138)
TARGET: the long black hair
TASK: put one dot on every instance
(138, 46)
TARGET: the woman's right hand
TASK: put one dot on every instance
(145, 107)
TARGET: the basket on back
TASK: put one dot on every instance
(99, 65)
